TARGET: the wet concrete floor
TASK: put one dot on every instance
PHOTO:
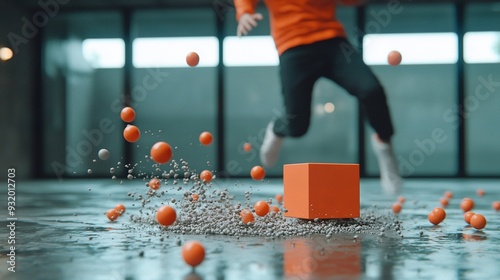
(62, 233)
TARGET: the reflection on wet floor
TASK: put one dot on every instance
(317, 258)
(62, 233)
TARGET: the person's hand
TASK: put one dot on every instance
(247, 22)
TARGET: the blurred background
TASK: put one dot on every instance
(68, 67)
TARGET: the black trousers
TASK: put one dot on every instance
(302, 66)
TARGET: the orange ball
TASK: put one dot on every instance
(274, 209)
(195, 197)
(279, 198)
(444, 201)
(192, 59)
(468, 215)
(496, 205)
(120, 208)
(257, 173)
(480, 192)
(467, 204)
(112, 214)
(437, 215)
(394, 58)
(154, 184)
(478, 221)
(206, 176)
(261, 208)
(161, 152)
(401, 199)
(206, 138)
(246, 216)
(166, 215)
(193, 253)
(396, 207)
(448, 194)
(127, 114)
(247, 147)
(131, 133)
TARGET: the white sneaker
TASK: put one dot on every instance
(389, 174)
(271, 146)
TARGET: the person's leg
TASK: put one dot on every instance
(349, 71)
(299, 70)
(389, 173)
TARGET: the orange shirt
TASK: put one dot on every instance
(297, 22)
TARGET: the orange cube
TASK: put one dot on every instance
(321, 190)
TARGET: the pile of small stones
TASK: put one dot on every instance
(216, 212)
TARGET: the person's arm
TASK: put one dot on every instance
(246, 16)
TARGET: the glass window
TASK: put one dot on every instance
(482, 88)
(82, 78)
(420, 96)
(415, 48)
(174, 102)
(104, 53)
(482, 47)
(171, 52)
(250, 51)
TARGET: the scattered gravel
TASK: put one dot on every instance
(216, 212)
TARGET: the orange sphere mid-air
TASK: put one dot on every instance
(401, 199)
(161, 152)
(246, 216)
(274, 209)
(468, 215)
(131, 133)
(261, 208)
(206, 138)
(444, 201)
(437, 215)
(192, 59)
(154, 184)
(247, 147)
(448, 194)
(467, 204)
(480, 192)
(396, 207)
(112, 214)
(279, 198)
(127, 114)
(206, 176)
(394, 58)
(257, 173)
(166, 215)
(496, 205)
(120, 208)
(478, 221)
(193, 253)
